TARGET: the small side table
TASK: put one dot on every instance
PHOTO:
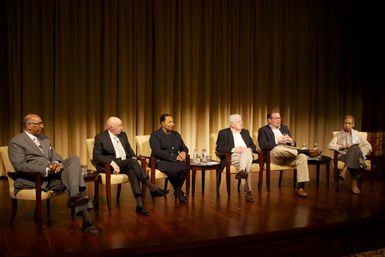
(320, 160)
(212, 165)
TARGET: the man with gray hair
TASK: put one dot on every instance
(31, 151)
(237, 141)
(112, 146)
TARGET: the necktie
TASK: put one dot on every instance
(119, 149)
(38, 144)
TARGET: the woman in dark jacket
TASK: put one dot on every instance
(170, 153)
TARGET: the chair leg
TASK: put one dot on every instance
(260, 179)
(268, 180)
(108, 195)
(165, 183)
(336, 180)
(13, 210)
(48, 208)
(96, 193)
(239, 185)
(39, 213)
(118, 192)
(280, 178)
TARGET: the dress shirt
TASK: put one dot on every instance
(238, 140)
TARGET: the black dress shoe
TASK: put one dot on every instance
(78, 200)
(181, 196)
(159, 193)
(142, 210)
(90, 228)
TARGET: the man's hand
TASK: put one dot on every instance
(285, 139)
(239, 149)
(115, 167)
(56, 167)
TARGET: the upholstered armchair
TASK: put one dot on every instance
(32, 194)
(147, 162)
(229, 169)
(339, 165)
(107, 178)
(268, 167)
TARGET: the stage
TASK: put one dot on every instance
(279, 223)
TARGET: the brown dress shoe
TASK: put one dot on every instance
(301, 192)
(356, 191)
(249, 197)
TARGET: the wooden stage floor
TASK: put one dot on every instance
(278, 223)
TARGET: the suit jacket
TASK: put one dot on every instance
(26, 156)
(266, 139)
(104, 151)
(165, 149)
(225, 142)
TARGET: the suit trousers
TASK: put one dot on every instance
(135, 174)
(282, 155)
(242, 161)
(72, 178)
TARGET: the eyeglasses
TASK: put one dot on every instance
(36, 123)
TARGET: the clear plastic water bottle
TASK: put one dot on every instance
(195, 156)
(204, 155)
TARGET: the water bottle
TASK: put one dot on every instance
(204, 155)
(195, 156)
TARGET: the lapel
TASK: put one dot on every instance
(32, 147)
(108, 141)
(230, 137)
(123, 141)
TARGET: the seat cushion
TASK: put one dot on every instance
(115, 178)
(30, 194)
(279, 167)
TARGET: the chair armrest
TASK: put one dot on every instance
(107, 167)
(35, 176)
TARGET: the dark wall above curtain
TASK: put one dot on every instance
(78, 62)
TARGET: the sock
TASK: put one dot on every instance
(139, 201)
(150, 186)
(86, 217)
(301, 185)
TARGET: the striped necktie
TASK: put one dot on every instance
(36, 141)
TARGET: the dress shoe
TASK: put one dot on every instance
(356, 191)
(142, 210)
(249, 197)
(181, 196)
(159, 192)
(78, 200)
(90, 228)
(301, 192)
(342, 174)
(241, 174)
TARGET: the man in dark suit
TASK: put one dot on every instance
(112, 146)
(237, 140)
(276, 138)
(30, 151)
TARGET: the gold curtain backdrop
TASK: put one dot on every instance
(78, 62)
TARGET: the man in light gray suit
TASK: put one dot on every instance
(30, 151)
